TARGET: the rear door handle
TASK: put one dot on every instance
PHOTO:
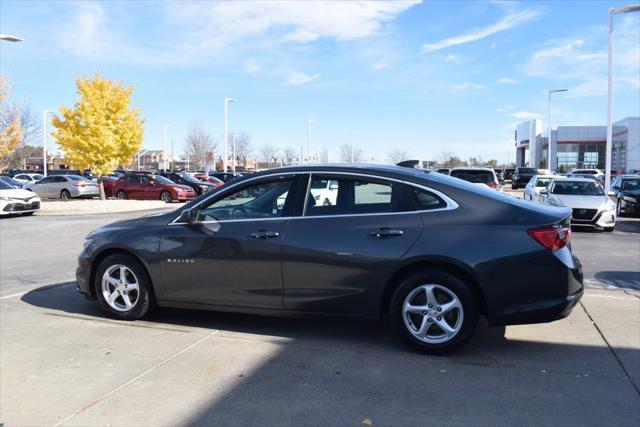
(386, 232)
(264, 234)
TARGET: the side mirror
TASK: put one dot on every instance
(611, 194)
(188, 216)
(544, 191)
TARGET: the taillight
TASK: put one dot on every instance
(552, 238)
(493, 185)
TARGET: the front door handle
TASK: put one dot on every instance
(264, 234)
(386, 232)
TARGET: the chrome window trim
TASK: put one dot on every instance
(451, 204)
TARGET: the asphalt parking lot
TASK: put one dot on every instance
(63, 363)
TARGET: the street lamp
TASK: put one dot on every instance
(612, 12)
(44, 141)
(140, 155)
(10, 38)
(235, 138)
(552, 155)
(224, 161)
(164, 150)
(309, 140)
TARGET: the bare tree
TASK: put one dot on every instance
(324, 155)
(268, 154)
(290, 156)
(244, 149)
(31, 135)
(200, 146)
(398, 155)
(349, 156)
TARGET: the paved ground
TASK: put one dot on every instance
(63, 363)
(96, 206)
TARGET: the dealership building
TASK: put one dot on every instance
(574, 147)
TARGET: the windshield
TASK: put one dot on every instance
(5, 186)
(577, 188)
(631, 184)
(162, 180)
(189, 178)
(543, 182)
(478, 176)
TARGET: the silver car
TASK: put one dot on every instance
(537, 183)
(64, 187)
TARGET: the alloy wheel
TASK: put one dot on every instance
(120, 287)
(165, 196)
(433, 313)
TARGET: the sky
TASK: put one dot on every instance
(428, 77)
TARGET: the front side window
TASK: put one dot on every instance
(351, 196)
(262, 200)
(631, 184)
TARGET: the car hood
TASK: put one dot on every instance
(578, 202)
(18, 194)
(119, 226)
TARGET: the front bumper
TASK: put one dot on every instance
(602, 220)
(7, 208)
(83, 275)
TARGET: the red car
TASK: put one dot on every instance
(210, 179)
(151, 187)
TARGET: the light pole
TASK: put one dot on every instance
(224, 161)
(612, 12)
(353, 147)
(44, 141)
(10, 38)
(309, 141)
(551, 153)
(140, 155)
(164, 150)
(235, 138)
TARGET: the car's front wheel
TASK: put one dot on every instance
(123, 287)
(65, 195)
(434, 312)
(165, 196)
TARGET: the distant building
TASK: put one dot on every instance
(578, 146)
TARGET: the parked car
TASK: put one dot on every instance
(64, 187)
(590, 204)
(17, 201)
(597, 173)
(522, 176)
(26, 178)
(499, 174)
(479, 176)
(626, 189)
(533, 187)
(445, 171)
(185, 179)
(107, 182)
(11, 182)
(142, 186)
(226, 176)
(583, 175)
(324, 192)
(508, 174)
(399, 243)
(209, 179)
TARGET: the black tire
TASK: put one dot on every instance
(144, 302)
(466, 295)
(514, 186)
(609, 229)
(65, 195)
(121, 195)
(165, 196)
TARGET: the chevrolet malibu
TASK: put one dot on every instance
(428, 252)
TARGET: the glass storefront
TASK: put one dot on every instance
(572, 156)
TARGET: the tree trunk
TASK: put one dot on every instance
(103, 195)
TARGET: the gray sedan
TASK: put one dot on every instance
(64, 187)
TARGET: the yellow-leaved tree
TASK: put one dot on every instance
(11, 131)
(101, 131)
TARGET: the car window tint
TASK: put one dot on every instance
(477, 176)
(262, 200)
(350, 196)
(134, 179)
(631, 184)
(60, 179)
(426, 200)
(543, 182)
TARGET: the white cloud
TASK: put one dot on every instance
(466, 86)
(252, 66)
(525, 115)
(453, 59)
(512, 19)
(580, 63)
(506, 108)
(379, 65)
(299, 78)
(507, 81)
(493, 46)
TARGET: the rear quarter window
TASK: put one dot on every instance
(426, 200)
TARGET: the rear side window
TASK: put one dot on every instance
(338, 195)
(426, 200)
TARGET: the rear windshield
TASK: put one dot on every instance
(527, 170)
(543, 182)
(77, 178)
(471, 175)
(577, 188)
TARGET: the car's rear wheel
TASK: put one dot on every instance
(434, 312)
(165, 196)
(121, 195)
(123, 287)
(65, 195)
